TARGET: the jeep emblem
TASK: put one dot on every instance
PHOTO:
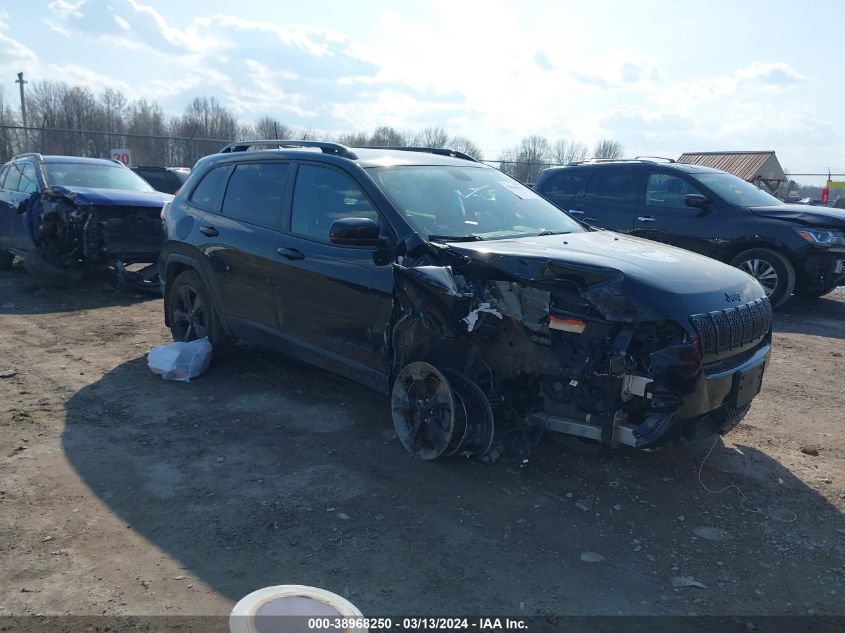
(732, 297)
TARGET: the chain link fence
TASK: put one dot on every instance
(161, 151)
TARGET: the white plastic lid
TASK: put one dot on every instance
(288, 609)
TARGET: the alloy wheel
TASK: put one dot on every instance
(189, 319)
(763, 272)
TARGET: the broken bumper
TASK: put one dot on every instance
(711, 401)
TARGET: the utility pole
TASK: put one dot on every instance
(21, 81)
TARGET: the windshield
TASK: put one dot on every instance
(735, 190)
(94, 176)
(446, 202)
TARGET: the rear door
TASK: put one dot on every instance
(20, 183)
(5, 210)
(335, 302)
(610, 197)
(663, 216)
(563, 186)
(240, 241)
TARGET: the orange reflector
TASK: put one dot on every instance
(567, 325)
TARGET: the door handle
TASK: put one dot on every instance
(210, 231)
(290, 253)
(646, 218)
(575, 212)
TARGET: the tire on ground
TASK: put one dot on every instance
(36, 263)
(220, 341)
(6, 259)
(781, 265)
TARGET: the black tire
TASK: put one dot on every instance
(6, 259)
(192, 313)
(37, 263)
(815, 291)
(774, 272)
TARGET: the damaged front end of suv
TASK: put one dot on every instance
(590, 334)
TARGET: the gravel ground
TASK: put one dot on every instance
(122, 494)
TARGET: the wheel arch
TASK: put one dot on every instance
(178, 263)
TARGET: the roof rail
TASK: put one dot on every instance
(328, 148)
(440, 151)
(668, 160)
(26, 155)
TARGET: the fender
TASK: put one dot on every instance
(194, 264)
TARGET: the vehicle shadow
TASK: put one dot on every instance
(823, 316)
(20, 293)
(266, 472)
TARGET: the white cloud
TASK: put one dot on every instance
(123, 24)
(66, 8)
(56, 27)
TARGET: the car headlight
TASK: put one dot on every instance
(823, 237)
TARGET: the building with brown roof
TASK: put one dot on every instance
(758, 168)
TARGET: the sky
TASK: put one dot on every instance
(660, 76)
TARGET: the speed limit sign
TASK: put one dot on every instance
(123, 155)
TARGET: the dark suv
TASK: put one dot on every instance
(476, 304)
(786, 247)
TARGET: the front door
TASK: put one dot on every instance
(334, 302)
(662, 215)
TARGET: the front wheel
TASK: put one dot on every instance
(771, 269)
(191, 312)
(45, 269)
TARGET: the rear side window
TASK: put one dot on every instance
(208, 193)
(666, 190)
(254, 194)
(3, 173)
(567, 182)
(28, 182)
(613, 185)
(322, 196)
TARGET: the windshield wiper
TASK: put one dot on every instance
(547, 232)
(455, 238)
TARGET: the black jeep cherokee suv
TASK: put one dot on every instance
(786, 247)
(476, 304)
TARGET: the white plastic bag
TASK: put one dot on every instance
(180, 361)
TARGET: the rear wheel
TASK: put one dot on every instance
(191, 312)
(6, 260)
(771, 269)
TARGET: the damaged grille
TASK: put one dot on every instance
(732, 328)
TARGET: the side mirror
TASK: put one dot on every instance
(355, 232)
(697, 200)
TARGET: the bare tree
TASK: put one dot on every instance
(608, 148)
(566, 151)
(270, 128)
(463, 144)
(387, 136)
(354, 139)
(431, 137)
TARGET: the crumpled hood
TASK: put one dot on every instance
(659, 281)
(810, 216)
(115, 197)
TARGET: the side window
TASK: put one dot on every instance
(613, 185)
(323, 195)
(13, 177)
(254, 194)
(28, 182)
(209, 191)
(567, 182)
(3, 173)
(666, 190)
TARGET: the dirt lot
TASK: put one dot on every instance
(124, 494)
